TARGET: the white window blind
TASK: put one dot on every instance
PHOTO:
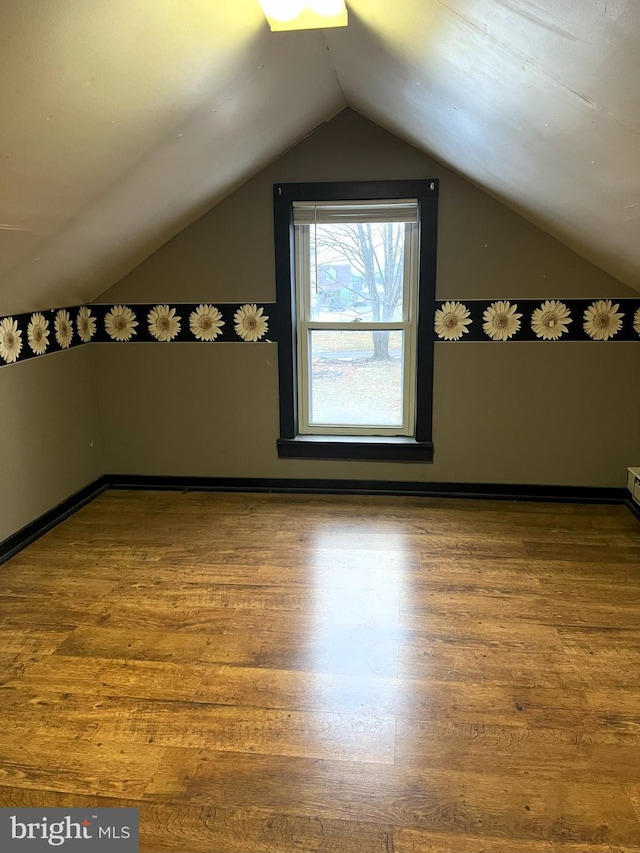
(310, 213)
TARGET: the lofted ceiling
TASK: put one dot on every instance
(121, 122)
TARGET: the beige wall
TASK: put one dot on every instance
(49, 438)
(556, 413)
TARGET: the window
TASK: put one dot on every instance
(356, 283)
(355, 273)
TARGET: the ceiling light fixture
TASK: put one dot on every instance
(304, 14)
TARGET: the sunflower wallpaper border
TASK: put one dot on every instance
(539, 320)
(29, 335)
(32, 334)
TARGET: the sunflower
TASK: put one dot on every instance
(163, 323)
(601, 321)
(64, 328)
(10, 340)
(250, 325)
(451, 321)
(550, 320)
(501, 321)
(120, 323)
(86, 324)
(206, 322)
(38, 333)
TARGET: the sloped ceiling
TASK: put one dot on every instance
(536, 101)
(122, 122)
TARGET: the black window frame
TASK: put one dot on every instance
(419, 446)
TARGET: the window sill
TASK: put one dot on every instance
(376, 448)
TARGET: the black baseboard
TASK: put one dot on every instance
(479, 491)
(28, 534)
(488, 491)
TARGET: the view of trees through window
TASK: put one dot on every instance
(357, 272)
(356, 275)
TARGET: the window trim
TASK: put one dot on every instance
(293, 445)
(407, 325)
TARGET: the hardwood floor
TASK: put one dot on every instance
(289, 674)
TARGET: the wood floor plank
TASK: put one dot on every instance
(494, 630)
(124, 678)
(419, 841)
(495, 704)
(40, 761)
(611, 572)
(209, 606)
(203, 829)
(350, 604)
(21, 647)
(435, 660)
(552, 753)
(286, 640)
(359, 650)
(356, 737)
(142, 644)
(609, 669)
(634, 793)
(462, 803)
(28, 612)
(581, 639)
(555, 610)
(603, 553)
(616, 709)
(589, 589)
(45, 585)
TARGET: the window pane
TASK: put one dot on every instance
(356, 378)
(357, 271)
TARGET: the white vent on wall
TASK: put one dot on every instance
(633, 483)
